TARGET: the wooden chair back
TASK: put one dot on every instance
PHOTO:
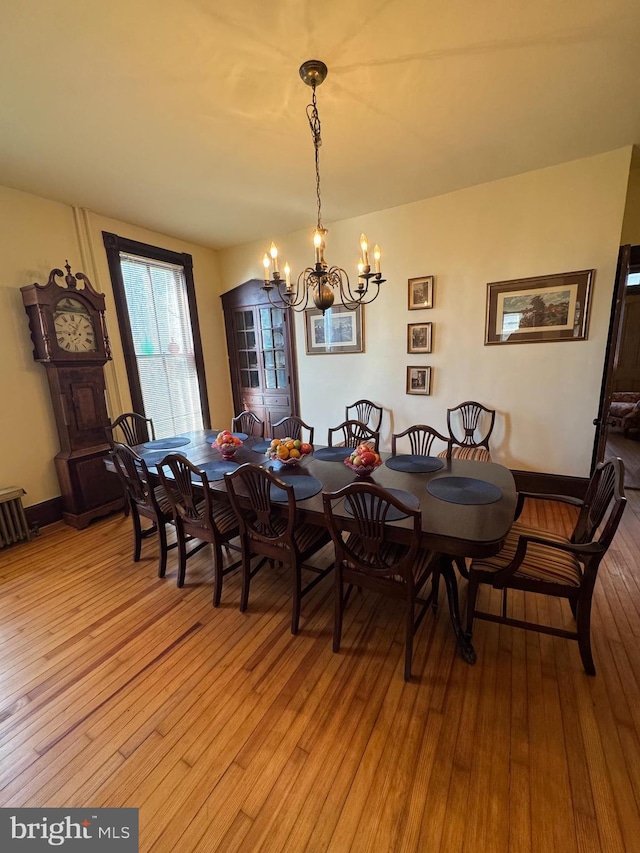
(292, 427)
(352, 434)
(134, 475)
(249, 423)
(366, 412)
(135, 428)
(463, 423)
(421, 439)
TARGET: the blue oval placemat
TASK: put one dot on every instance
(394, 513)
(414, 463)
(168, 443)
(241, 435)
(464, 490)
(153, 458)
(333, 454)
(261, 446)
(217, 470)
(304, 486)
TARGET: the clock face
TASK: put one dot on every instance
(73, 326)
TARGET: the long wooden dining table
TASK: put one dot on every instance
(453, 530)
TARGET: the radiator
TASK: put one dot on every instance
(13, 523)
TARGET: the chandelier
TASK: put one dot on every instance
(320, 281)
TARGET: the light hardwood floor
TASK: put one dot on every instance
(230, 734)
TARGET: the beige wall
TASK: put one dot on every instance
(36, 236)
(564, 218)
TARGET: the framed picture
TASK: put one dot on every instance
(419, 337)
(421, 292)
(419, 380)
(337, 330)
(545, 308)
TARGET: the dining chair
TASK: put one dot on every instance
(353, 433)
(470, 425)
(276, 537)
(366, 412)
(135, 429)
(367, 558)
(292, 427)
(421, 440)
(143, 499)
(198, 515)
(249, 423)
(536, 560)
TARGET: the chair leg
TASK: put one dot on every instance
(583, 620)
(182, 555)
(297, 597)
(162, 537)
(461, 565)
(338, 603)
(246, 577)
(408, 650)
(137, 533)
(472, 595)
(435, 587)
(217, 574)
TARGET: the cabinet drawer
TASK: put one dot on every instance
(252, 400)
(277, 400)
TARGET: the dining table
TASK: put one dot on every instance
(467, 506)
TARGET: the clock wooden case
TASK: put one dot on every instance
(70, 339)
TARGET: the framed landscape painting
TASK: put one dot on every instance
(419, 380)
(421, 293)
(545, 308)
(337, 330)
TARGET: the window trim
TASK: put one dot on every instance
(114, 245)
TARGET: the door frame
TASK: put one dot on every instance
(628, 261)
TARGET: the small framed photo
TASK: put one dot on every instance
(545, 308)
(419, 337)
(421, 293)
(419, 380)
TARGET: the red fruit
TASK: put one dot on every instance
(368, 458)
(305, 448)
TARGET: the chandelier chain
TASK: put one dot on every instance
(314, 124)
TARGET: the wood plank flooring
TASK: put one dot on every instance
(229, 734)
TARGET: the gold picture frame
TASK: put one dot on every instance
(338, 330)
(419, 337)
(419, 380)
(421, 292)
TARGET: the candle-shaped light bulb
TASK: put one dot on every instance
(273, 251)
(377, 254)
(266, 263)
(360, 267)
(365, 249)
(287, 275)
(317, 242)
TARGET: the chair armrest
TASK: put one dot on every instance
(502, 577)
(566, 499)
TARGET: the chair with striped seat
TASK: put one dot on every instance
(273, 535)
(143, 499)
(367, 558)
(421, 440)
(470, 426)
(198, 515)
(351, 434)
(535, 560)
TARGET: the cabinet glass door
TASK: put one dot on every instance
(247, 348)
(273, 345)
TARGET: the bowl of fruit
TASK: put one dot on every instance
(288, 451)
(363, 461)
(227, 444)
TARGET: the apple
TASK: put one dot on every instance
(368, 458)
(305, 448)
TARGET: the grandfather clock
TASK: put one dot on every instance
(70, 339)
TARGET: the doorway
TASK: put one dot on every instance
(622, 372)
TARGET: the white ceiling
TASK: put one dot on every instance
(189, 117)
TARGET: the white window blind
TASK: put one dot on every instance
(158, 308)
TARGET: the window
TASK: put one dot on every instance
(157, 315)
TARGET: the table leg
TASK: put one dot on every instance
(467, 652)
